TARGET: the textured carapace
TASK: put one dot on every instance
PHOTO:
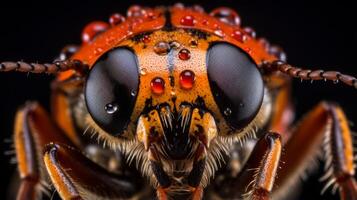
(171, 46)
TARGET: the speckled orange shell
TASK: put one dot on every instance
(142, 20)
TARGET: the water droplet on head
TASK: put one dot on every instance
(68, 51)
(174, 44)
(250, 31)
(92, 30)
(98, 51)
(219, 33)
(116, 19)
(239, 36)
(227, 112)
(157, 85)
(184, 54)
(162, 48)
(143, 71)
(179, 5)
(135, 11)
(198, 8)
(146, 39)
(226, 15)
(187, 79)
(264, 42)
(111, 108)
(150, 15)
(188, 20)
(278, 52)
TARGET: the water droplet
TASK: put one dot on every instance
(162, 48)
(143, 71)
(174, 44)
(205, 22)
(198, 8)
(135, 11)
(187, 79)
(116, 19)
(129, 32)
(92, 30)
(111, 108)
(250, 31)
(278, 52)
(264, 42)
(188, 20)
(98, 51)
(219, 33)
(335, 81)
(227, 112)
(239, 36)
(157, 85)
(150, 15)
(133, 93)
(146, 39)
(68, 51)
(226, 15)
(179, 5)
(184, 54)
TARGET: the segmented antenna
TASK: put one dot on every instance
(307, 74)
(55, 67)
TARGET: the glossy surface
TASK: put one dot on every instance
(109, 87)
(236, 83)
(187, 79)
(92, 30)
(157, 85)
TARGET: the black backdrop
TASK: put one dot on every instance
(320, 36)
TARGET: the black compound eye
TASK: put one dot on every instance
(235, 82)
(110, 90)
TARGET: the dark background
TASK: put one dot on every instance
(318, 36)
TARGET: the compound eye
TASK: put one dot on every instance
(111, 81)
(235, 82)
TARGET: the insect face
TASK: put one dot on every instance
(172, 91)
(175, 92)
